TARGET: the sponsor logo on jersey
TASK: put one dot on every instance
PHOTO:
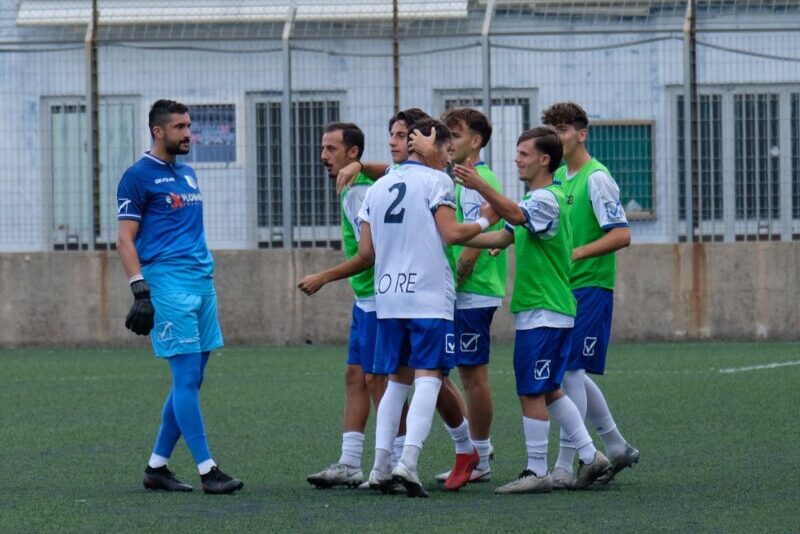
(181, 200)
(541, 370)
(166, 180)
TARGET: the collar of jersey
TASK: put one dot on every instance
(481, 162)
(159, 160)
(409, 162)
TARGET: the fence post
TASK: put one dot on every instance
(690, 114)
(396, 55)
(93, 131)
(486, 59)
(286, 132)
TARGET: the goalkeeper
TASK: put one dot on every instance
(163, 250)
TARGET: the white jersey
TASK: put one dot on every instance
(413, 279)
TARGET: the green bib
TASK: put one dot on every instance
(489, 275)
(591, 272)
(543, 266)
(363, 283)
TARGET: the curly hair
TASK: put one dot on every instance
(566, 113)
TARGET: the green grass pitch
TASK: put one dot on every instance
(719, 450)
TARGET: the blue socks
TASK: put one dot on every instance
(181, 414)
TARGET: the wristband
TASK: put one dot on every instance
(484, 222)
(135, 278)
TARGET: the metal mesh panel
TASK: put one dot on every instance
(622, 60)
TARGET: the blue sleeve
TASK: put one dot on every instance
(131, 198)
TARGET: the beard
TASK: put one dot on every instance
(176, 149)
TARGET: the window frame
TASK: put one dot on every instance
(237, 119)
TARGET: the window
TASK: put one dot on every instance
(69, 169)
(316, 212)
(757, 152)
(626, 148)
(709, 189)
(748, 186)
(213, 134)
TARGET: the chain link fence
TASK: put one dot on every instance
(263, 77)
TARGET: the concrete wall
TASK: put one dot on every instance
(664, 292)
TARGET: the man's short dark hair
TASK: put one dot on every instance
(161, 110)
(545, 139)
(425, 126)
(474, 119)
(351, 135)
(408, 116)
(566, 113)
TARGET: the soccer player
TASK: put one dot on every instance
(481, 281)
(600, 228)
(408, 217)
(451, 405)
(343, 143)
(543, 304)
(162, 246)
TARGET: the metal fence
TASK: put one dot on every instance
(263, 77)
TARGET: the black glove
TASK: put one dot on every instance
(141, 317)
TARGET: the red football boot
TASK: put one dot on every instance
(459, 475)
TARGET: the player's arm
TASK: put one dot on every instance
(313, 282)
(498, 239)
(453, 232)
(506, 208)
(141, 317)
(466, 262)
(349, 172)
(615, 239)
(604, 194)
(366, 251)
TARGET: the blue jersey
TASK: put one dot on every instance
(166, 201)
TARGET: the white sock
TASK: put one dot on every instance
(536, 433)
(397, 449)
(566, 413)
(157, 461)
(576, 391)
(600, 417)
(387, 421)
(420, 417)
(205, 467)
(460, 435)
(352, 449)
(483, 446)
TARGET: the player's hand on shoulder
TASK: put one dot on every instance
(488, 211)
(467, 176)
(311, 283)
(346, 176)
(141, 317)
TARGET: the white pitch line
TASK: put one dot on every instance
(759, 367)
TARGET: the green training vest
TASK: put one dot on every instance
(363, 283)
(489, 275)
(543, 265)
(591, 272)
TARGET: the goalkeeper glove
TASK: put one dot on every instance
(140, 318)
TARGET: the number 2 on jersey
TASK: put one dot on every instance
(391, 217)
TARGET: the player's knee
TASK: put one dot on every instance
(353, 376)
(376, 383)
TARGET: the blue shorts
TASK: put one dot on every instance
(474, 341)
(185, 324)
(540, 359)
(592, 330)
(415, 343)
(361, 348)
